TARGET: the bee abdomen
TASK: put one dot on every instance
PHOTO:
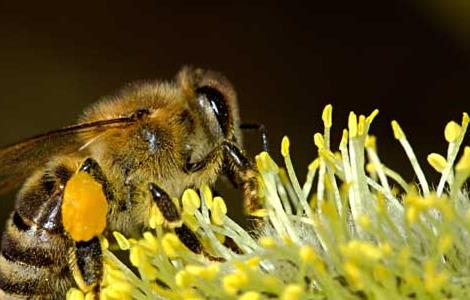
(33, 261)
(28, 245)
(34, 251)
(19, 280)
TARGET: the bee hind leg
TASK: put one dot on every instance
(85, 254)
(87, 264)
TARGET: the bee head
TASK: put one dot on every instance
(174, 121)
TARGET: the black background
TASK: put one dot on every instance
(287, 60)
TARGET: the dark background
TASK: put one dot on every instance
(410, 59)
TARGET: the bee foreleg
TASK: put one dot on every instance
(244, 172)
(87, 264)
(238, 168)
(192, 167)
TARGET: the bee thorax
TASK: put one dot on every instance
(152, 139)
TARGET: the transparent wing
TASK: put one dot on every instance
(18, 161)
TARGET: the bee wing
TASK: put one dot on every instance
(19, 160)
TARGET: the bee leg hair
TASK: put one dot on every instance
(87, 264)
(243, 172)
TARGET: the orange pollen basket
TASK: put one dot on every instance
(84, 207)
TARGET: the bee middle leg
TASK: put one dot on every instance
(92, 167)
(172, 216)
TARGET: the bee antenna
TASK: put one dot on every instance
(262, 131)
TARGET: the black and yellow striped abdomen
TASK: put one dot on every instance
(34, 251)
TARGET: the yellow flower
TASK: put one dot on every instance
(343, 233)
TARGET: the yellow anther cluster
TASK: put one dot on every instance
(250, 296)
(437, 161)
(328, 155)
(115, 283)
(307, 254)
(267, 242)
(219, 210)
(232, 283)
(139, 258)
(319, 141)
(75, 294)
(314, 165)
(361, 125)
(452, 132)
(433, 280)
(371, 168)
(285, 146)
(445, 243)
(253, 262)
(191, 201)
(364, 221)
(264, 162)
(327, 116)
(371, 142)
(172, 245)
(353, 273)
(206, 193)
(191, 273)
(361, 251)
(122, 241)
(352, 125)
(416, 205)
(372, 116)
(464, 163)
(292, 292)
(397, 131)
(156, 217)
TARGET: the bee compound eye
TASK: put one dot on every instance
(217, 103)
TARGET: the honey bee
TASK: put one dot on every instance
(142, 146)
